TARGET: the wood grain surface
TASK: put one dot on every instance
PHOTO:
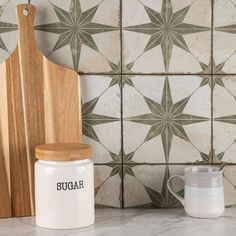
(39, 103)
(63, 152)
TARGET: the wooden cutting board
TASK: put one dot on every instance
(39, 103)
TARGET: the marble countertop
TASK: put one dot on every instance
(131, 222)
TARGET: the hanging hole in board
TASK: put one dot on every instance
(25, 12)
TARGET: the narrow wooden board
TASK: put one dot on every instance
(5, 198)
(39, 103)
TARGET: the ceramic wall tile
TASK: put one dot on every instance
(167, 36)
(224, 128)
(224, 40)
(101, 116)
(144, 128)
(8, 28)
(164, 118)
(230, 186)
(148, 184)
(108, 186)
(80, 34)
(88, 41)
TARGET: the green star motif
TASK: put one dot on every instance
(75, 29)
(207, 71)
(227, 119)
(90, 119)
(217, 157)
(117, 78)
(119, 167)
(211, 156)
(6, 28)
(167, 29)
(231, 29)
(163, 199)
(166, 119)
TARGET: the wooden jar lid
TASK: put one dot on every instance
(63, 152)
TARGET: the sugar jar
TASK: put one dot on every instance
(64, 186)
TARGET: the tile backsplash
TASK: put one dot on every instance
(158, 82)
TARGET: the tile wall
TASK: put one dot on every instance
(158, 84)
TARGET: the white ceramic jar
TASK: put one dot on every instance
(64, 186)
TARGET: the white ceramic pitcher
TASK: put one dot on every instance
(203, 191)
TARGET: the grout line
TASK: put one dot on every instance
(154, 74)
(212, 32)
(212, 88)
(212, 123)
(121, 106)
(171, 164)
(121, 35)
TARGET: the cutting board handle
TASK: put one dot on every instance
(26, 14)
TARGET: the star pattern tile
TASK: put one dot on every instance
(167, 119)
(208, 70)
(163, 199)
(121, 164)
(6, 28)
(75, 28)
(156, 196)
(91, 119)
(119, 79)
(167, 30)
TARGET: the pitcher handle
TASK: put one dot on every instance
(181, 199)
